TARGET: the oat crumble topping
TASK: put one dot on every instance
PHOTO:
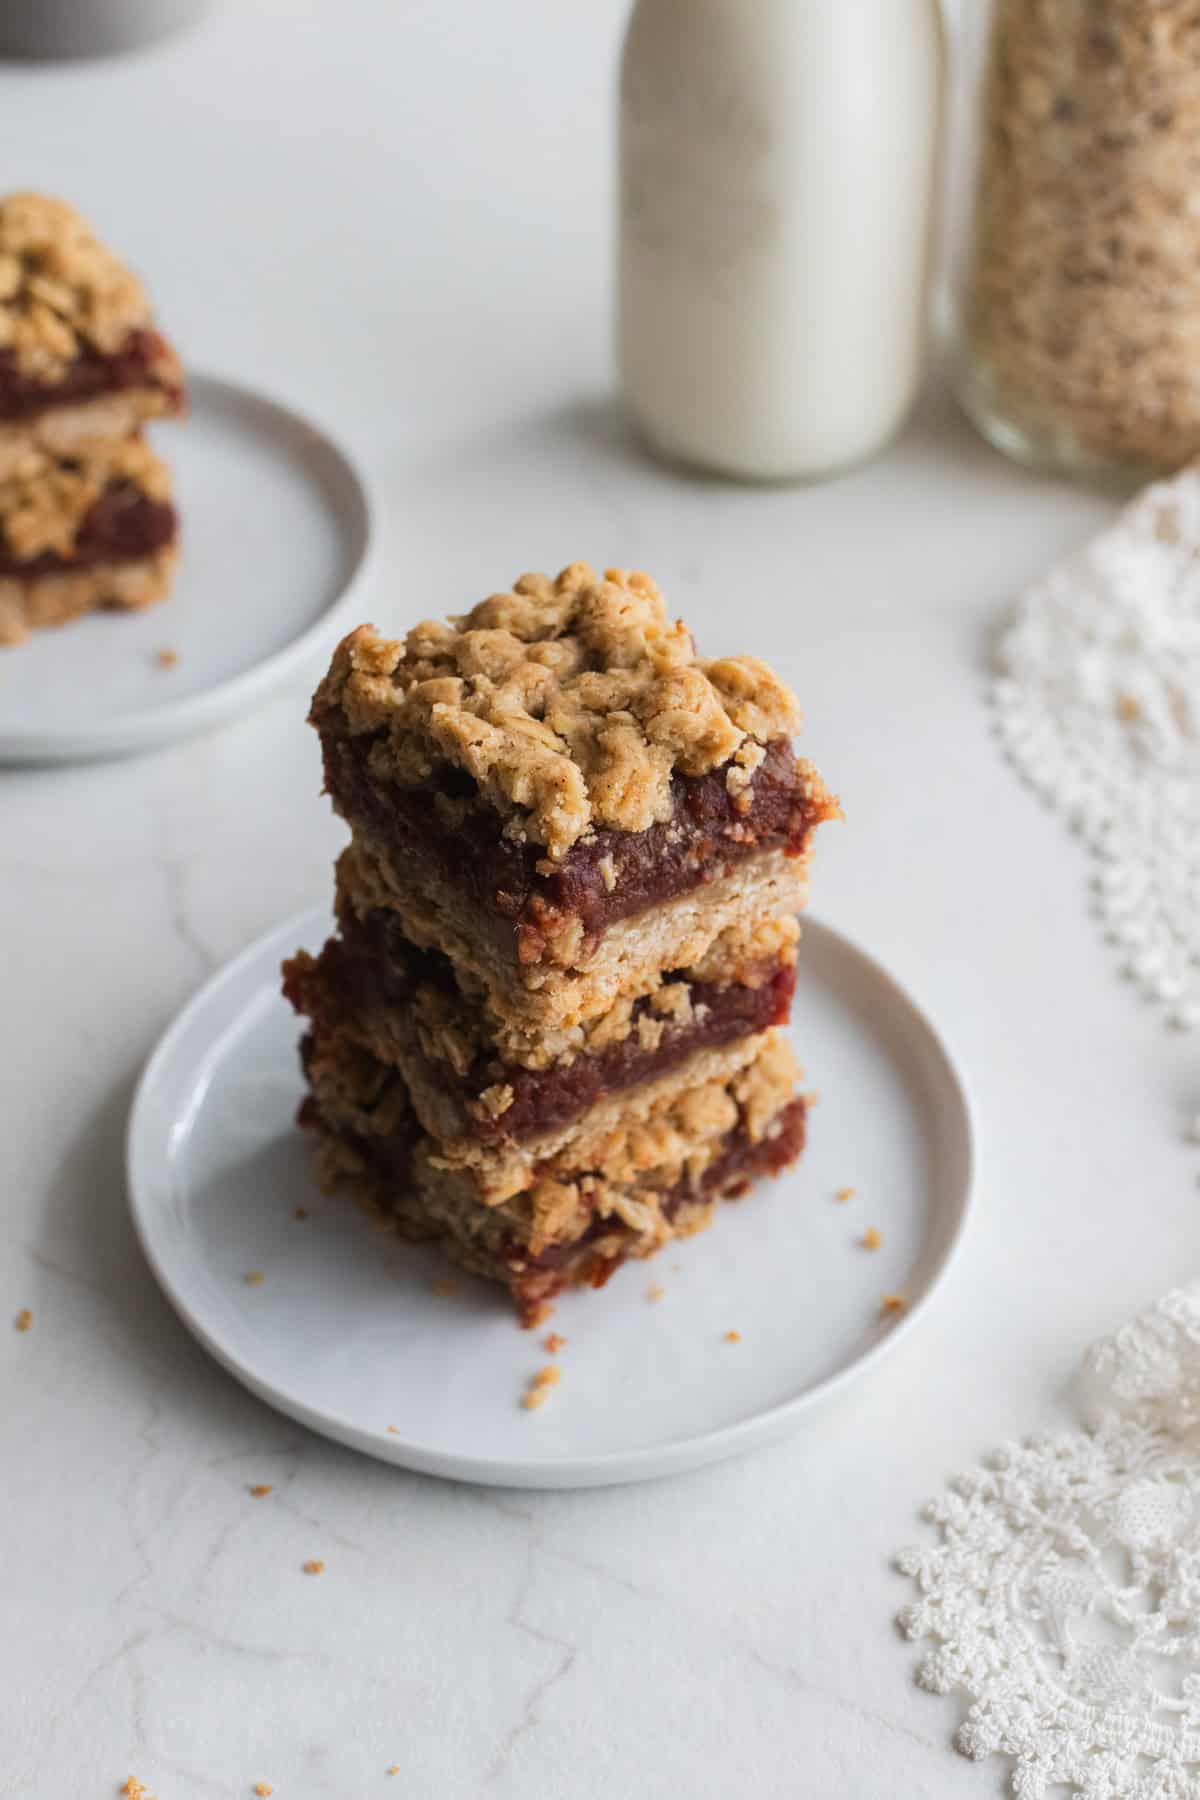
(61, 291)
(570, 702)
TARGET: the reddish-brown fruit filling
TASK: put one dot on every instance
(123, 525)
(372, 963)
(610, 875)
(91, 373)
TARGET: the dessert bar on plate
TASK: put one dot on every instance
(546, 1034)
(85, 513)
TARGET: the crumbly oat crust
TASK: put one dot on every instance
(61, 291)
(55, 599)
(570, 703)
(45, 498)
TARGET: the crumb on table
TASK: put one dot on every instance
(844, 1193)
(167, 659)
(254, 1278)
(733, 1337)
(540, 1385)
(893, 1303)
(655, 1292)
(314, 1566)
(552, 1342)
(871, 1238)
(260, 1489)
(24, 1319)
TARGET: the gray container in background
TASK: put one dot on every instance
(54, 28)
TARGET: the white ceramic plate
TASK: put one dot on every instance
(347, 1334)
(276, 524)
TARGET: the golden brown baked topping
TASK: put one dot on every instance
(570, 703)
(60, 289)
(47, 498)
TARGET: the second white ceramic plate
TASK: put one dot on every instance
(347, 1332)
(275, 529)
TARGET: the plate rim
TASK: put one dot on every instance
(167, 721)
(607, 1468)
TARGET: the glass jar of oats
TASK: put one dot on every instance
(1079, 288)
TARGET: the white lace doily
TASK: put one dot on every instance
(1098, 705)
(1063, 1591)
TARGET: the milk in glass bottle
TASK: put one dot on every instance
(778, 162)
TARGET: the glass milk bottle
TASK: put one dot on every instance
(778, 165)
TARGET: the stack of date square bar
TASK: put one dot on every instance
(547, 1035)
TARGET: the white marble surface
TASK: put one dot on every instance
(398, 216)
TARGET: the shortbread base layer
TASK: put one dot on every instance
(405, 1007)
(56, 599)
(627, 959)
(658, 1177)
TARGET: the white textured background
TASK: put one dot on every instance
(398, 215)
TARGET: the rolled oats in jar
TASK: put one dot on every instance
(1080, 288)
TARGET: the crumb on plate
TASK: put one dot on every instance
(136, 1790)
(893, 1303)
(844, 1193)
(301, 1212)
(446, 1289)
(260, 1489)
(393, 1768)
(254, 1278)
(733, 1337)
(552, 1342)
(655, 1292)
(540, 1385)
(24, 1319)
(1128, 707)
(395, 1430)
(167, 659)
(314, 1566)
(871, 1238)
(263, 1788)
